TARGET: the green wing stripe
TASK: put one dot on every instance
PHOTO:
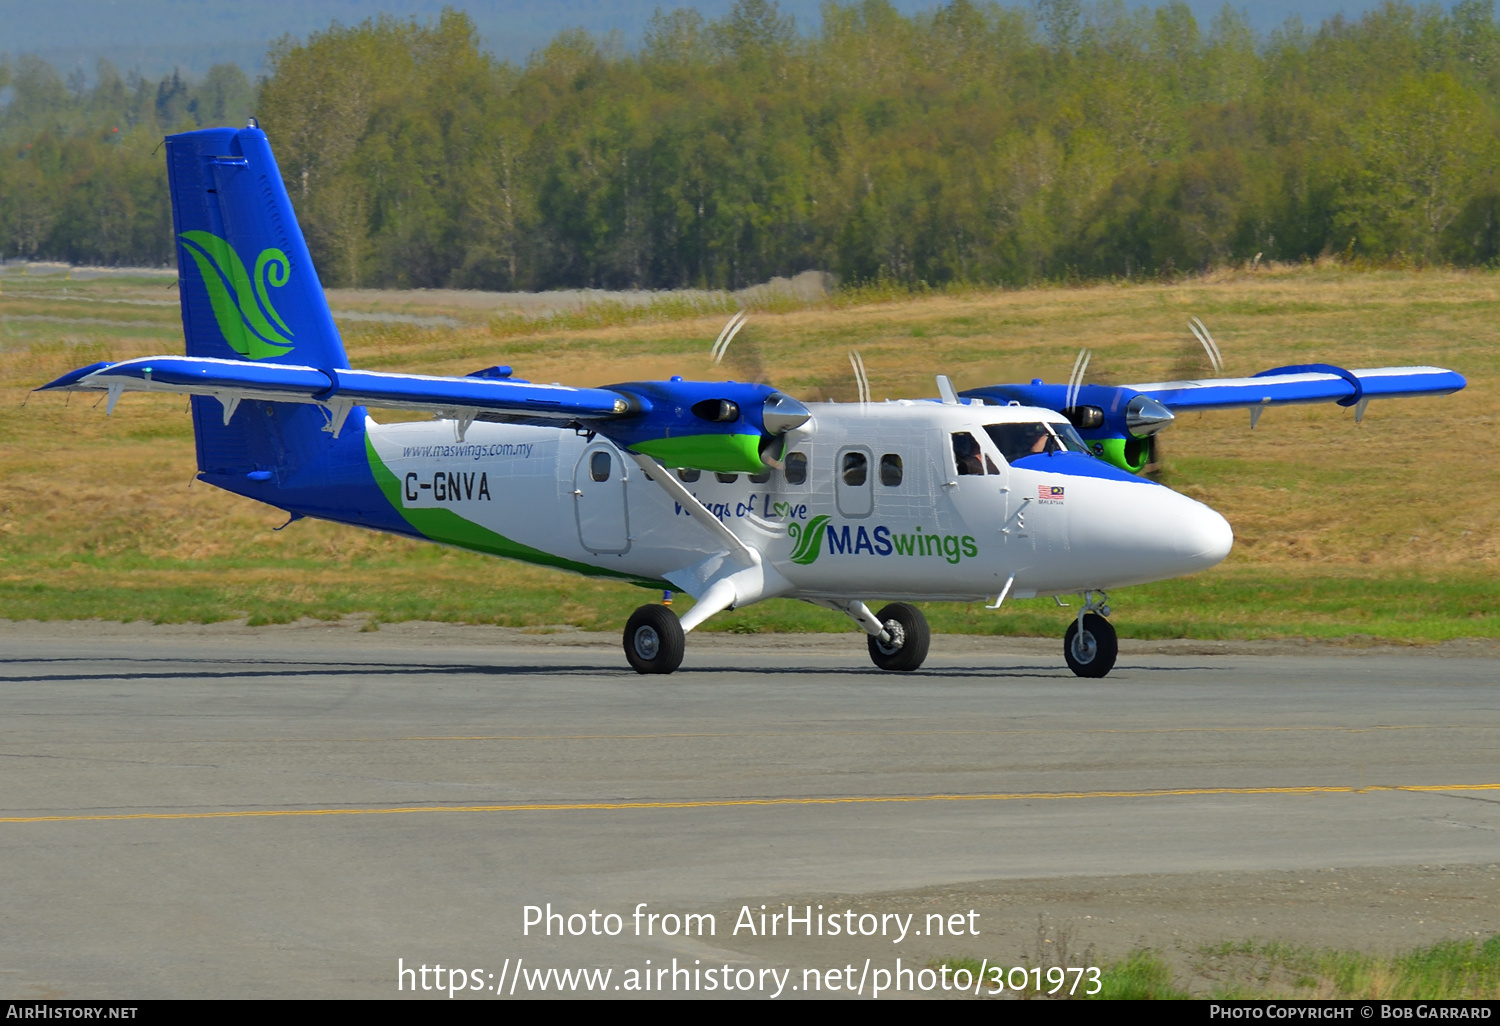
(726, 454)
(809, 539)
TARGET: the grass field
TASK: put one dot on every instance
(1253, 970)
(1382, 530)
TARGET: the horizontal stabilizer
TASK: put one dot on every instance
(1309, 383)
(233, 380)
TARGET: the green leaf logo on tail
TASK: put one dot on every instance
(240, 302)
(808, 539)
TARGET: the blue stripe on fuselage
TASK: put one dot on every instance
(308, 471)
(1076, 464)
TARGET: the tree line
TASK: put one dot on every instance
(972, 143)
(81, 175)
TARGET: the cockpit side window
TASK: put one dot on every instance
(967, 456)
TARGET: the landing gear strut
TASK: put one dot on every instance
(654, 641)
(909, 638)
(1090, 645)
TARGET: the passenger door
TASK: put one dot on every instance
(599, 499)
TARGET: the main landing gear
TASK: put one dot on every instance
(654, 640)
(898, 636)
(1090, 645)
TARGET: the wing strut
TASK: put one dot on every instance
(668, 482)
(714, 585)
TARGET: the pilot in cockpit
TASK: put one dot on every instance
(966, 453)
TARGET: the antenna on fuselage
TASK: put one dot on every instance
(946, 390)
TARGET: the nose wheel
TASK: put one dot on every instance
(654, 640)
(1090, 645)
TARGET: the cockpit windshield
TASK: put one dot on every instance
(1071, 438)
(1017, 441)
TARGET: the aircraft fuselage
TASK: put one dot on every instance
(869, 500)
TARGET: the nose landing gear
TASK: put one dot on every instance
(1090, 645)
(909, 636)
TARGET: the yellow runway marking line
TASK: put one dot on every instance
(725, 803)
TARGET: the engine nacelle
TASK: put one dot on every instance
(720, 426)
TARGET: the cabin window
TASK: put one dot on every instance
(761, 478)
(856, 467)
(599, 466)
(688, 475)
(795, 468)
(727, 478)
(890, 470)
(852, 489)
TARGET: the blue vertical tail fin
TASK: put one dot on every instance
(249, 290)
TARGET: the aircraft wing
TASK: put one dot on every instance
(339, 389)
(1304, 383)
(721, 426)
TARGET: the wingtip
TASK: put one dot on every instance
(71, 379)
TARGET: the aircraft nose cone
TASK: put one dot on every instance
(1202, 536)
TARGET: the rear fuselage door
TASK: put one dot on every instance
(599, 499)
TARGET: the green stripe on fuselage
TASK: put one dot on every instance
(447, 527)
(724, 454)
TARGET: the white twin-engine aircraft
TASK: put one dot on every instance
(730, 492)
(906, 500)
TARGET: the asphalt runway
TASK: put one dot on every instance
(286, 812)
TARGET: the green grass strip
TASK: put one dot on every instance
(459, 587)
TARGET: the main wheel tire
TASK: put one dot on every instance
(1091, 652)
(654, 642)
(910, 637)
